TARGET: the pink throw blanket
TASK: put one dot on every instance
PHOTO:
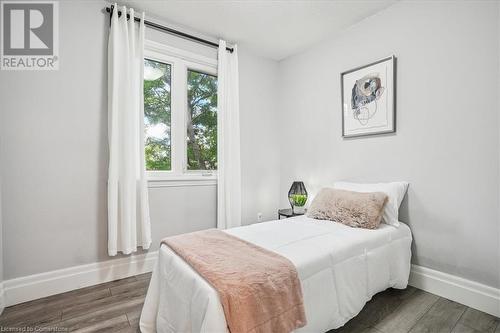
(259, 290)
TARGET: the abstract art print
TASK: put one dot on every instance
(368, 99)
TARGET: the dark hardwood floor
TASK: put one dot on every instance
(116, 307)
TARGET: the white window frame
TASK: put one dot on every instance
(180, 61)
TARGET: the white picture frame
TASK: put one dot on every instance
(368, 99)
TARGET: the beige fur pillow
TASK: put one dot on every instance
(355, 209)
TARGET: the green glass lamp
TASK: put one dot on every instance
(297, 196)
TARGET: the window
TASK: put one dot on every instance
(157, 111)
(180, 114)
(201, 121)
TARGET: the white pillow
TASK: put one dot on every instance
(395, 191)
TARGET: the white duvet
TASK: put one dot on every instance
(340, 269)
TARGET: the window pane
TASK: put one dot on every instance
(201, 121)
(157, 111)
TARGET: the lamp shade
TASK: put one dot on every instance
(297, 195)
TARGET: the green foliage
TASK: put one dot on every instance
(157, 110)
(157, 155)
(298, 199)
(202, 121)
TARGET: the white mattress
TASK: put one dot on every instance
(340, 269)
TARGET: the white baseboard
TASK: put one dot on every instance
(466, 292)
(2, 300)
(36, 286)
(23, 289)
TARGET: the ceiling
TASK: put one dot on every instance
(270, 28)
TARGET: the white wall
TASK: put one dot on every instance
(54, 140)
(54, 149)
(1, 228)
(259, 137)
(447, 140)
(2, 303)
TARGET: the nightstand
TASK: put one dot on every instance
(287, 212)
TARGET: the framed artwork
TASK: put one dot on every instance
(369, 99)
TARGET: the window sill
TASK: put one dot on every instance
(156, 180)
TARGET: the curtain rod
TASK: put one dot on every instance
(169, 30)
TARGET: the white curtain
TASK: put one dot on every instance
(228, 140)
(128, 208)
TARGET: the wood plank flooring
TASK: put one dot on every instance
(116, 307)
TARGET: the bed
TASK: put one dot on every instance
(340, 269)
